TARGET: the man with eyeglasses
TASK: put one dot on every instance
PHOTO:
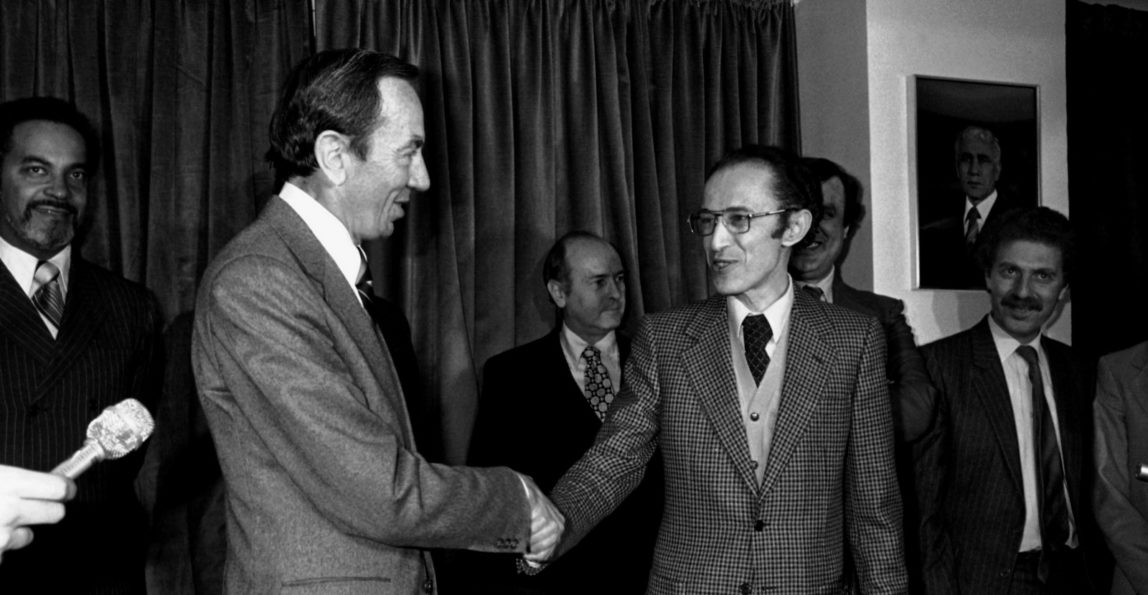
(770, 408)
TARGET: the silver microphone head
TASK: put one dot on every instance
(121, 428)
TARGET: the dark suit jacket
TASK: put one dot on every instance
(1121, 419)
(325, 490)
(108, 349)
(828, 483)
(944, 261)
(969, 478)
(534, 419)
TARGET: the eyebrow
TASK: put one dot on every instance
(38, 160)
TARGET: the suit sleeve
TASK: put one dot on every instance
(1125, 528)
(616, 464)
(873, 502)
(930, 462)
(908, 381)
(267, 330)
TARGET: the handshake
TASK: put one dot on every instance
(546, 526)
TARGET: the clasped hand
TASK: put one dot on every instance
(546, 526)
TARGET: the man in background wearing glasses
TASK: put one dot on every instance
(770, 407)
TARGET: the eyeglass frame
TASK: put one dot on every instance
(721, 216)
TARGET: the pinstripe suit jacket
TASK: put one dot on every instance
(108, 349)
(326, 492)
(829, 481)
(969, 483)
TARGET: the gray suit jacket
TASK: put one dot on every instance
(829, 482)
(1120, 413)
(325, 490)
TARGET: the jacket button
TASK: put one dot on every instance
(33, 410)
(759, 525)
(428, 586)
(746, 588)
(754, 416)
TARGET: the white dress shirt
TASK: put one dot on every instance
(572, 348)
(330, 232)
(22, 266)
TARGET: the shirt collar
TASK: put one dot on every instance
(825, 284)
(776, 313)
(1005, 343)
(327, 228)
(574, 345)
(983, 207)
(23, 265)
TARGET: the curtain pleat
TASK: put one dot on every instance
(545, 116)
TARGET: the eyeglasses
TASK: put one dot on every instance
(704, 221)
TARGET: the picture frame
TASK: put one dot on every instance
(952, 168)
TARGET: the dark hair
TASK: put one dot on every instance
(49, 109)
(555, 267)
(825, 170)
(332, 90)
(979, 133)
(793, 183)
(1035, 224)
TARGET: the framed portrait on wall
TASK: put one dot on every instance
(975, 152)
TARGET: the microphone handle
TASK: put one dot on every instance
(79, 462)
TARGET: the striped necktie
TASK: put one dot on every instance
(48, 296)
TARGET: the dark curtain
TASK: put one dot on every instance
(544, 116)
(180, 92)
(1107, 180)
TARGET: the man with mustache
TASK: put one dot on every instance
(556, 391)
(770, 410)
(74, 339)
(1000, 475)
(947, 245)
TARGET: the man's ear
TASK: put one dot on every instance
(796, 227)
(331, 152)
(557, 293)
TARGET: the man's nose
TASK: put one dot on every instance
(420, 177)
(58, 188)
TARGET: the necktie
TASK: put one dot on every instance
(814, 292)
(1049, 474)
(48, 297)
(757, 333)
(599, 390)
(365, 285)
(971, 227)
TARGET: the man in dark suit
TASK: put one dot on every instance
(1120, 495)
(947, 245)
(814, 268)
(325, 489)
(1000, 475)
(556, 391)
(770, 408)
(74, 339)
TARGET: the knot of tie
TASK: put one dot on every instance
(814, 292)
(599, 389)
(48, 296)
(757, 333)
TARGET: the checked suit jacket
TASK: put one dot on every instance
(1121, 421)
(529, 398)
(325, 489)
(828, 484)
(969, 483)
(108, 349)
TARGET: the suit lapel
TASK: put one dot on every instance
(1139, 382)
(987, 384)
(317, 264)
(803, 387)
(710, 370)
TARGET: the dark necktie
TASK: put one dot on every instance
(971, 228)
(364, 284)
(598, 387)
(756, 332)
(1049, 474)
(48, 297)
(814, 292)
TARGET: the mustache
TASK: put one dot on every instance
(1021, 303)
(55, 204)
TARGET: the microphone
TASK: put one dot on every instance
(115, 432)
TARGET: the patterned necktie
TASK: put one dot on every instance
(815, 292)
(48, 297)
(365, 285)
(1049, 474)
(757, 332)
(599, 390)
(971, 227)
